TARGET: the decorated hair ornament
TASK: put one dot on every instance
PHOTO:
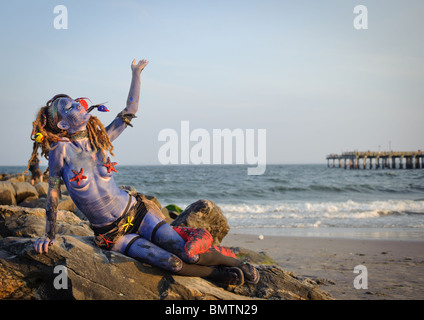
(39, 137)
(44, 119)
(100, 107)
(58, 96)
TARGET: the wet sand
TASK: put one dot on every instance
(395, 268)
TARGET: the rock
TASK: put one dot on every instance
(277, 284)
(133, 191)
(64, 190)
(130, 189)
(24, 190)
(204, 214)
(153, 199)
(165, 213)
(42, 188)
(37, 203)
(66, 203)
(94, 273)
(16, 177)
(7, 193)
(253, 257)
(31, 222)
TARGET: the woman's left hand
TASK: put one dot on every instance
(138, 67)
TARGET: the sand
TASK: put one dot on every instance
(395, 269)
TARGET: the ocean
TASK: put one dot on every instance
(293, 200)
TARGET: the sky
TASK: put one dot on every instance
(298, 69)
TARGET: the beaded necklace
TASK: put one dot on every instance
(78, 135)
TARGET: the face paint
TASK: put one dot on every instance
(72, 114)
(83, 103)
(68, 107)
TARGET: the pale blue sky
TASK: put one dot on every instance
(298, 69)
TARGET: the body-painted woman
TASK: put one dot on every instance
(78, 148)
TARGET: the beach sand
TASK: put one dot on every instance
(395, 268)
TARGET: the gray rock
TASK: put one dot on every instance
(42, 188)
(17, 177)
(94, 273)
(24, 190)
(66, 203)
(31, 222)
(204, 214)
(7, 193)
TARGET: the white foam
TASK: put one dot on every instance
(326, 214)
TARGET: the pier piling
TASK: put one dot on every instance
(383, 159)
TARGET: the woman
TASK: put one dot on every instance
(77, 146)
(34, 167)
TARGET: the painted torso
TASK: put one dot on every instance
(93, 190)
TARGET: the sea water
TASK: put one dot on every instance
(293, 200)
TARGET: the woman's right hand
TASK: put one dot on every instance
(138, 67)
(43, 244)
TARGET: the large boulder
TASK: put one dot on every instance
(93, 273)
(31, 222)
(16, 177)
(204, 214)
(42, 188)
(7, 193)
(65, 203)
(24, 191)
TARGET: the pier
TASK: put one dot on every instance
(377, 160)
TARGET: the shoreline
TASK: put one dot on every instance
(395, 268)
(385, 234)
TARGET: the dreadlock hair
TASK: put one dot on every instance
(51, 134)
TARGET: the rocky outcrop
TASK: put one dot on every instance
(12, 193)
(24, 191)
(7, 193)
(93, 273)
(204, 214)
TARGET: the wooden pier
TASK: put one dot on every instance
(377, 160)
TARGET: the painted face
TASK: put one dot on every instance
(72, 114)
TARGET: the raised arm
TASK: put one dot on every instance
(123, 119)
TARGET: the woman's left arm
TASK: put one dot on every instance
(123, 119)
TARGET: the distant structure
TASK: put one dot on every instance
(380, 159)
